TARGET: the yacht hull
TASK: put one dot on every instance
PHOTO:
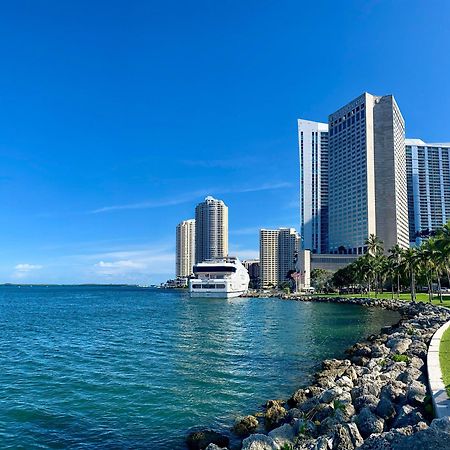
(216, 294)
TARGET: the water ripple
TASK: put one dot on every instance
(127, 368)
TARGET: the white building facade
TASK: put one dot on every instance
(211, 230)
(428, 174)
(313, 157)
(185, 248)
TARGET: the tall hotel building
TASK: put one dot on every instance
(278, 253)
(211, 230)
(313, 152)
(428, 171)
(185, 248)
(367, 175)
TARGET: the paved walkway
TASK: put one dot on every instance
(441, 402)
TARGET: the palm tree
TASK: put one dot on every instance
(396, 258)
(391, 272)
(424, 254)
(438, 257)
(370, 271)
(374, 245)
(375, 251)
(363, 273)
(442, 242)
(382, 265)
(410, 266)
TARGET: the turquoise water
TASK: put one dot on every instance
(110, 368)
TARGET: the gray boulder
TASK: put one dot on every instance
(245, 426)
(367, 387)
(385, 408)
(322, 412)
(368, 423)
(274, 414)
(299, 396)
(351, 373)
(345, 382)
(309, 405)
(407, 415)
(436, 437)
(409, 375)
(330, 423)
(395, 391)
(416, 393)
(199, 440)
(399, 345)
(293, 413)
(283, 435)
(259, 442)
(379, 350)
(416, 362)
(346, 437)
(418, 349)
(321, 443)
(365, 401)
(330, 394)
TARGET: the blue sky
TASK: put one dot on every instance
(118, 117)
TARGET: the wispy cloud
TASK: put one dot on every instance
(148, 204)
(127, 264)
(27, 267)
(120, 267)
(132, 263)
(24, 269)
(191, 196)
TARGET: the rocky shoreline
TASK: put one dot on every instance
(376, 399)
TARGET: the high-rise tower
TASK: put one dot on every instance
(185, 248)
(211, 230)
(367, 175)
(428, 170)
(313, 156)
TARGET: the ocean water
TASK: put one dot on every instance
(129, 368)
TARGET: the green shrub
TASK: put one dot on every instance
(400, 358)
(338, 406)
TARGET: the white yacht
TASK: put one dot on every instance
(219, 278)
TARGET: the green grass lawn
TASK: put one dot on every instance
(421, 297)
(444, 358)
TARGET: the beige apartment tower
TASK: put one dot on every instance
(211, 230)
(278, 255)
(367, 175)
(185, 248)
(268, 258)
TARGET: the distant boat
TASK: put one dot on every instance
(219, 278)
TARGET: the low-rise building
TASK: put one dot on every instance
(253, 268)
